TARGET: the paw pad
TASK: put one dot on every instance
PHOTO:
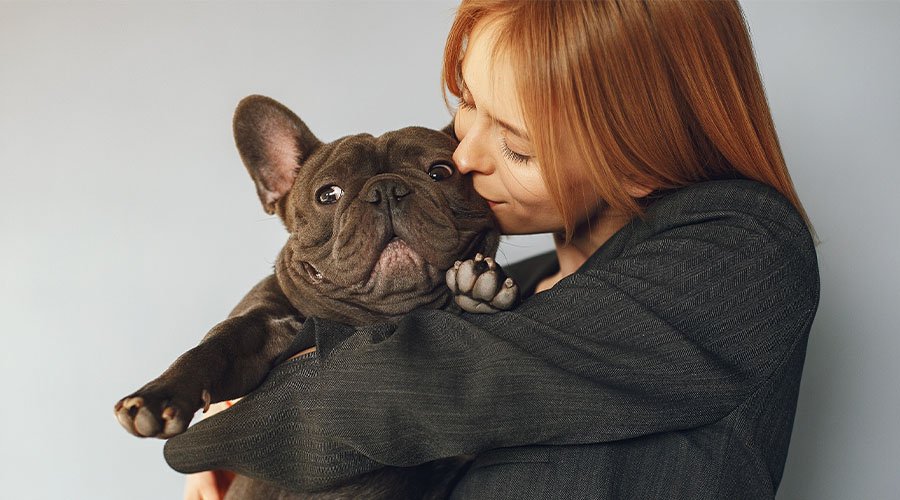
(152, 415)
(480, 285)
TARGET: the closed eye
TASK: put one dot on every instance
(512, 155)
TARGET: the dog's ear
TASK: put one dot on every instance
(450, 130)
(273, 143)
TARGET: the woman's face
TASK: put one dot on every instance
(495, 149)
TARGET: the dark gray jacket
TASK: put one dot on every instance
(667, 366)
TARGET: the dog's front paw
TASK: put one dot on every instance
(157, 413)
(480, 286)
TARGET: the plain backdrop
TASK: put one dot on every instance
(129, 226)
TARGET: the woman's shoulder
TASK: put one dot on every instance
(730, 242)
(732, 195)
(728, 214)
(754, 206)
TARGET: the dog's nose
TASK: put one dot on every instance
(388, 189)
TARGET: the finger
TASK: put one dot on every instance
(201, 486)
(223, 478)
(209, 492)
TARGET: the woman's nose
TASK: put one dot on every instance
(471, 153)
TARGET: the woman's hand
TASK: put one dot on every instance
(287, 407)
(207, 485)
(210, 484)
(305, 351)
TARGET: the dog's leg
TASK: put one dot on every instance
(231, 360)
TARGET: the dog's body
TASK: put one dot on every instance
(374, 223)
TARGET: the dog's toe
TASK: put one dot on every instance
(152, 415)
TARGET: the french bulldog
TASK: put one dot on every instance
(378, 226)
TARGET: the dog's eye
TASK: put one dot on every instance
(440, 171)
(329, 194)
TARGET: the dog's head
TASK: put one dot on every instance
(374, 222)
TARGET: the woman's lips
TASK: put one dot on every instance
(493, 204)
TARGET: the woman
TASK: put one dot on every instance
(659, 350)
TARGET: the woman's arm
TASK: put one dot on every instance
(671, 325)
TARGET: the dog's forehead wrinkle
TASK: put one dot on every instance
(355, 153)
(347, 161)
(362, 142)
(322, 156)
(323, 153)
(402, 152)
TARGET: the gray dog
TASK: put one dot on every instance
(378, 226)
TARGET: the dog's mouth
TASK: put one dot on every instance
(396, 256)
(315, 276)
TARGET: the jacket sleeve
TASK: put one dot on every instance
(667, 327)
(673, 333)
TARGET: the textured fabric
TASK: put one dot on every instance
(667, 366)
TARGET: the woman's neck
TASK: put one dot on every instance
(587, 239)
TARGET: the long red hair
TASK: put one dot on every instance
(658, 94)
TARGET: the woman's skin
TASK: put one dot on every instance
(496, 152)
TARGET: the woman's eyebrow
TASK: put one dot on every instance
(516, 131)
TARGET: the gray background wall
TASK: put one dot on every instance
(129, 226)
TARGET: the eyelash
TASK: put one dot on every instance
(512, 155)
(504, 148)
